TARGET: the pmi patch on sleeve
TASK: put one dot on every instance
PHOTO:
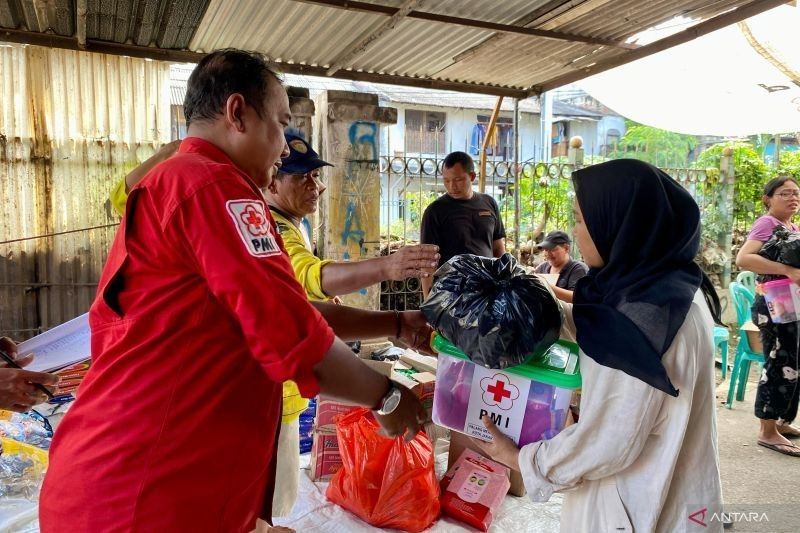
(254, 228)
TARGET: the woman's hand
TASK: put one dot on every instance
(793, 274)
(502, 449)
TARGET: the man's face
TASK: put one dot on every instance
(262, 145)
(558, 255)
(458, 182)
(298, 193)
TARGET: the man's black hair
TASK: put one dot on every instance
(460, 158)
(221, 74)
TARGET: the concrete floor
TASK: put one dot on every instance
(755, 479)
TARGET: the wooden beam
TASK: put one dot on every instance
(689, 34)
(575, 11)
(40, 8)
(408, 81)
(485, 144)
(80, 23)
(358, 47)
(50, 40)
(377, 9)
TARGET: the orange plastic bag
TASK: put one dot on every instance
(386, 482)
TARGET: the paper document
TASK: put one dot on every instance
(552, 279)
(61, 346)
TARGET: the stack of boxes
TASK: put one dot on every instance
(415, 371)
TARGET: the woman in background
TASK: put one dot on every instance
(777, 394)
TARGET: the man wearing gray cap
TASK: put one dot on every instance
(556, 247)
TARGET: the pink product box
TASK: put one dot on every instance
(473, 489)
(783, 300)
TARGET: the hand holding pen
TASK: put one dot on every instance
(21, 389)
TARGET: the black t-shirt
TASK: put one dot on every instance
(462, 226)
(569, 275)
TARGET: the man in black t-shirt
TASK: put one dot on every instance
(556, 247)
(462, 221)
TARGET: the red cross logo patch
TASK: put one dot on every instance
(254, 227)
(498, 391)
(256, 222)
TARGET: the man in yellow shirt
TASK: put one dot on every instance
(293, 195)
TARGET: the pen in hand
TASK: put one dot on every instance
(12, 363)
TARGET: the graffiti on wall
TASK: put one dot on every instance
(361, 164)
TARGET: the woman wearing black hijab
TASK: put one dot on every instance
(644, 453)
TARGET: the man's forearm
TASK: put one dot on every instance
(499, 247)
(351, 323)
(343, 278)
(565, 295)
(342, 376)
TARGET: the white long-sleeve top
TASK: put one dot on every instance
(638, 459)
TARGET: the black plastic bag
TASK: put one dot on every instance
(783, 247)
(492, 310)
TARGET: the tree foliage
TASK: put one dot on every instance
(655, 146)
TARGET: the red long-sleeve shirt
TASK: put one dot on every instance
(198, 320)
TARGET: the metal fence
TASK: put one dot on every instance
(410, 184)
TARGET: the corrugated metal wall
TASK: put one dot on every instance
(71, 125)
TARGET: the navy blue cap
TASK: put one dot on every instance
(553, 239)
(302, 159)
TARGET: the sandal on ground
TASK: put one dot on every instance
(785, 449)
(789, 431)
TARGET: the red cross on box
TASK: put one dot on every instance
(499, 390)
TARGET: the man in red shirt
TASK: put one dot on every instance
(198, 321)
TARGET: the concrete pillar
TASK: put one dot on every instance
(575, 153)
(302, 112)
(349, 130)
(303, 109)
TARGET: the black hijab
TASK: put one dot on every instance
(646, 228)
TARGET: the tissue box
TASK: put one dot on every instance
(473, 489)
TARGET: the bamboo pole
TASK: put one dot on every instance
(492, 122)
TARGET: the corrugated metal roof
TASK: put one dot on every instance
(316, 35)
(161, 23)
(309, 37)
(396, 94)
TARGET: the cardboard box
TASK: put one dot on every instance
(436, 432)
(753, 336)
(421, 363)
(325, 457)
(384, 368)
(425, 388)
(423, 384)
(459, 442)
(371, 345)
(327, 411)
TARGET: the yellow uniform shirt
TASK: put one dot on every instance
(118, 197)
(308, 271)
